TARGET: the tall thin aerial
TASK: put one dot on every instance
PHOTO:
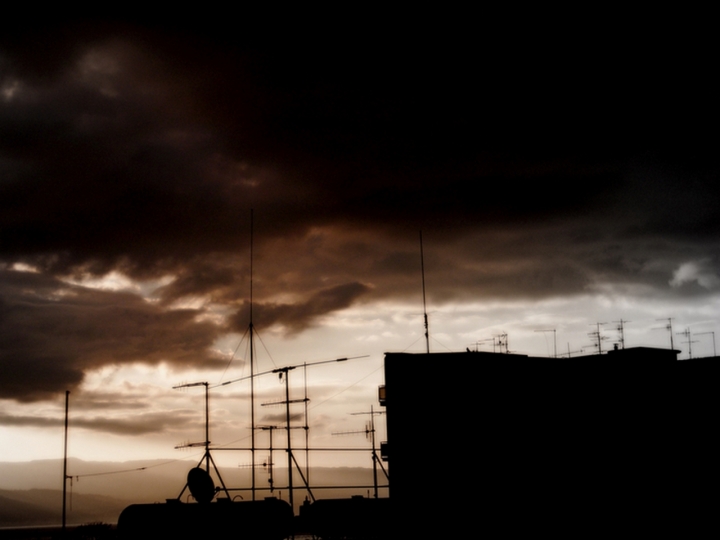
(669, 329)
(207, 456)
(688, 334)
(621, 329)
(422, 269)
(713, 336)
(65, 475)
(554, 331)
(252, 362)
(370, 431)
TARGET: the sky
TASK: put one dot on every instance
(558, 182)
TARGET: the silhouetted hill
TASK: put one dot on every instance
(150, 481)
(14, 512)
(44, 507)
(31, 492)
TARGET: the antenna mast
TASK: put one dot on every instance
(422, 268)
(207, 457)
(713, 335)
(689, 341)
(598, 335)
(65, 476)
(252, 361)
(554, 331)
(621, 329)
(370, 430)
(669, 328)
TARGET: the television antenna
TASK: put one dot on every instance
(422, 269)
(501, 341)
(251, 330)
(268, 464)
(669, 328)
(621, 329)
(689, 341)
(370, 432)
(569, 353)
(713, 337)
(197, 482)
(251, 339)
(598, 336)
(283, 375)
(65, 458)
(478, 342)
(554, 331)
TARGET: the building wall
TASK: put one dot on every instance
(524, 436)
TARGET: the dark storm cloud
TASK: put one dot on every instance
(141, 147)
(29, 421)
(51, 333)
(278, 419)
(301, 314)
(142, 424)
(129, 399)
(155, 143)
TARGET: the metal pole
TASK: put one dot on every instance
(207, 429)
(67, 402)
(307, 428)
(289, 442)
(372, 431)
(252, 359)
(422, 268)
(271, 482)
(713, 337)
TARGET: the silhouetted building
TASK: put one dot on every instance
(526, 442)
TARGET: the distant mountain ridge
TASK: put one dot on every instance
(36, 507)
(31, 492)
(148, 480)
(20, 513)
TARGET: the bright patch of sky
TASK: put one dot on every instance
(117, 281)
(31, 443)
(22, 267)
(9, 90)
(699, 272)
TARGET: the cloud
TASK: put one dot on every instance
(698, 272)
(53, 332)
(29, 421)
(142, 424)
(138, 150)
(301, 314)
(135, 425)
(280, 419)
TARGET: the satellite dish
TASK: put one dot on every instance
(201, 485)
